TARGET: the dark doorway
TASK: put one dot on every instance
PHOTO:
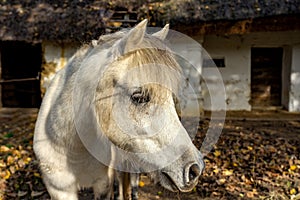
(21, 65)
(266, 80)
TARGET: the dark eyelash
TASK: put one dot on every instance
(140, 97)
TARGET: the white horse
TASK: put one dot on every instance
(132, 107)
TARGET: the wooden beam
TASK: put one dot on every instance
(18, 80)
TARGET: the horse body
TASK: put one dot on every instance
(66, 162)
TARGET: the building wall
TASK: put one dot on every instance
(55, 57)
(294, 103)
(235, 74)
(286, 73)
(0, 83)
(189, 55)
(236, 49)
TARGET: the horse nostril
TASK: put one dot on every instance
(194, 172)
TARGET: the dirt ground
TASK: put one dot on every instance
(256, 157)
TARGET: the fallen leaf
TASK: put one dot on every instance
(293, 167)
(35, 193)
(227, 172)
(235, 164)
(6, 174)
(295, 197)
(217, 153)
(221, 181)
(22, 193)
(10, 160)
(26, 160)
(293, 191)
(2, 164)
(4, 149)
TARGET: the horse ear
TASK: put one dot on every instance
(135, 36)
(162, 34)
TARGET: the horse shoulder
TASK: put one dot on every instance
(55, 122)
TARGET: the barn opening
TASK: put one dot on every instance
(266, 77)
(20, 71)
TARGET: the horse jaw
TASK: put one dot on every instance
(162, 34)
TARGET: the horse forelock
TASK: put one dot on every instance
(152, 67)
(151, 62)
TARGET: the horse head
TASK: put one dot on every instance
(135, 109)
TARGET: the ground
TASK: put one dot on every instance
(256, 157)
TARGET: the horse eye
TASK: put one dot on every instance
(140, 97)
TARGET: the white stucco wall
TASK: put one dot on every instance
(236, 73)
(294, 103)
(189, 55)
(55, 58)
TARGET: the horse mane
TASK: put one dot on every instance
(152, 63)
(112, 37)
